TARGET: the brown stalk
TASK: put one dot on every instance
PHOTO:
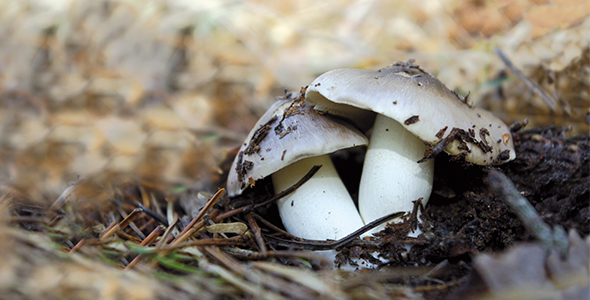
(277, 229)
(128, 237)
(191, 228)
(148, 240)
(114, 227)
(257, 234)
(110, 230)
(212, 242)
(161, 244)
(130, 218)
(79, 245)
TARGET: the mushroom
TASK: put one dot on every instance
(287, 141)
(417, 118)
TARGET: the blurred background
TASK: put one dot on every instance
(160, 91)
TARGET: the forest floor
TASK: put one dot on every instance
(118, 121)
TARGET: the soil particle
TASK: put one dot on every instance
(554, 179)
(552, 173)
(259, 135)
(456, 134)
(411, 120)
(243, 167)
(483, 144)
(441, 132)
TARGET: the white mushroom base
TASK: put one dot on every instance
(391, 177)
(321, 208)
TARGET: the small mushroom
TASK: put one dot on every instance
(417, 117)
(287, 141)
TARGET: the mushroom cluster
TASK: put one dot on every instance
(417, 118)
(286, 142)
(413, 117)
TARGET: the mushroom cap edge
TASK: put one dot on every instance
(410, 95)
(284, 135)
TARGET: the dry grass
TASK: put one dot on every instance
(107, 103)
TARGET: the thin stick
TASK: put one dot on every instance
(191, 228)
(276, 197)
(148, 240)
(128, 221)
(277, 229)
(114, 227)
(290, 190)
(130, 218)
(79, 245)
(257, 234)
(212, 242)
(110, 230)
(162, 243)
(503, 187)
(329, 245)
(152, 214)
(537, 89)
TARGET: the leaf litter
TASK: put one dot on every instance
(116, 118)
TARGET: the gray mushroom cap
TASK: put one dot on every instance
(289, 131)
(422, 104)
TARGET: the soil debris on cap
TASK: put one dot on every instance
(411, 120)
(441, 132)
(258, 137)
(289, 131)
(352, 93)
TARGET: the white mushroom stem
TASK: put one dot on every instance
(391, 177)
(319, 209)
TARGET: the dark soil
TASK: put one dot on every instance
(463, 218)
